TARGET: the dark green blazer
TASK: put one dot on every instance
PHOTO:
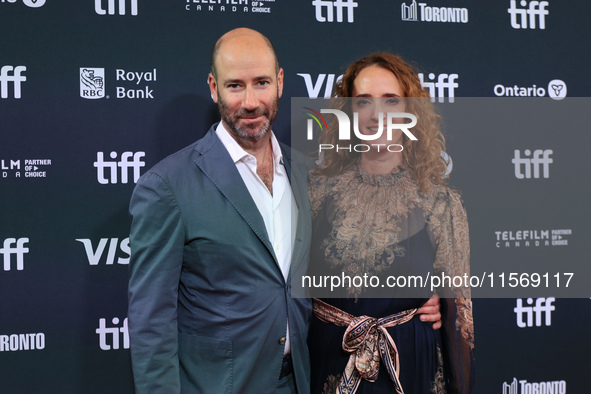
(208, 305)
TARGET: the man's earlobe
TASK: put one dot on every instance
(280, 83)
(213, 87)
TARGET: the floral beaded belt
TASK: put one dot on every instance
(368, 341)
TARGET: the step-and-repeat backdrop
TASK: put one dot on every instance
(94, 93)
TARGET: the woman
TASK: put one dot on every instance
(383, 209)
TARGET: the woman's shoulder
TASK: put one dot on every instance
(445, 193)
(443, 198)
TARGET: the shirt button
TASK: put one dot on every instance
(282, 341)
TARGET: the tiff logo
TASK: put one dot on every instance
(7, 250)
(543, 306)
(98, 7)
(16, 78)
(330, 6)
(95, 255)
(541, 159)
(536, 8)
(114, 332)
(105, 177)
(437, 89)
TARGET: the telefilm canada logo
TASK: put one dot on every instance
(344, 133)
(27, 168)
(532, 238)
(422, 12)
(522, 386)
(132, 85)
(231, 6)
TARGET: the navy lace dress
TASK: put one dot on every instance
(382, 225)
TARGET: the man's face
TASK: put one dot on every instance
(247, 89)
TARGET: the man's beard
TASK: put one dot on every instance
(256, 132)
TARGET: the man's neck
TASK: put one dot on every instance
(262, 150)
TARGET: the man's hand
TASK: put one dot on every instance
(430, 312)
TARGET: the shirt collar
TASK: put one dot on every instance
(238, 154)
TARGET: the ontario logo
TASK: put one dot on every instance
(370, 128)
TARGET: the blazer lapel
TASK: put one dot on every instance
(215, 162)
(298, 177)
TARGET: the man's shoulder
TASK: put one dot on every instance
(175, 162)
(182, 160)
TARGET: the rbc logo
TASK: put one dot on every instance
(92, 83)
(332, 7)
(7, 250)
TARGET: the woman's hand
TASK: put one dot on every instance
(430, 312)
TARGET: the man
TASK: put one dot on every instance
(212, 242)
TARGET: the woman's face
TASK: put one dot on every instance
(377, 91)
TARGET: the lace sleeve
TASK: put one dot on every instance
(450, 227)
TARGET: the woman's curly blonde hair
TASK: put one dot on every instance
(423, 157)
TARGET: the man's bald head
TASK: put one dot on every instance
(241, 36)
